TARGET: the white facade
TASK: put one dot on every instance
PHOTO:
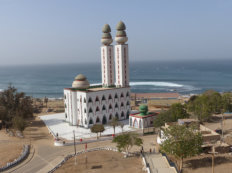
(88, 108)
(86, 105)
(122, 65)
(141, 122)
(107, 65)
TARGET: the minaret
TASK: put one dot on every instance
(107, 57)
(121, 56)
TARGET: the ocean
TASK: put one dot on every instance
(184, 77)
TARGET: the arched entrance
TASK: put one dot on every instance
(136, 125)
(104, 121)
(116, 116)
(91, 121)
(122, 114)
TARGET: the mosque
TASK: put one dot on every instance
(87, 104)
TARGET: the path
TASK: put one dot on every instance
(46, 156)
(159, 163)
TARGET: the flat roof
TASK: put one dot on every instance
(94, 88)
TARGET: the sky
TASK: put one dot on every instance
(69, 31)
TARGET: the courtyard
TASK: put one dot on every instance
(56, 125)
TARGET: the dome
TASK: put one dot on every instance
(121, 34)
(121, 40)
(121, 26)
(80, 77)
(143, 109)
(106, 28)
(80, 82)
(121, 37)
(106, 41)
(106, 35)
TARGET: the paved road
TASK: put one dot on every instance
(45, 156)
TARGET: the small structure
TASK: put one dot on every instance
(210, 138)
(143, 119)
(159, 100)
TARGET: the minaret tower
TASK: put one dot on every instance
(107, 57)
(121, 56)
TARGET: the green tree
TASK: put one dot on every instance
(114, 123)
(176, 111)
(226, 102)
(209, 103)
(19, 123)
(97, 128)
(13, 104)
(181, 142)
(126, 141)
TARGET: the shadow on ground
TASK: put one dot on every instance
(206, 162)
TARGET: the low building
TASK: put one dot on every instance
(142, 119)
(159, 100)
(210, 138)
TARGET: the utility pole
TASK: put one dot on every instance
(74, 144)
(222, 126)
(213, 154)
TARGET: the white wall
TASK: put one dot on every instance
(107, 65)
(79, 105)
(122, 65)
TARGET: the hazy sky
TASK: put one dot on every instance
(69, 31)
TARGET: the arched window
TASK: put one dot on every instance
(104, 120)
(91, 121)
(90, 110)
(65, 106)
(85, 110)
(127, 94)
(97, 120)
(116, 115)
(122, 114)
(84, 100)
(127, 103)
(103, 108)
(122, 104)
(116, 105)
(122, 95)
(103, 98)
(110, 97)
(97, 99)
(110, 106)
(90, 100)
(110, 117)
(97, 109)
(85, 121)
(116, 96)
(64, 96)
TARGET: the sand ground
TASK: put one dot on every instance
(223, 162)
(10, 148)
(102, 162)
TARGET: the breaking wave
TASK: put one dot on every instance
(157, 84)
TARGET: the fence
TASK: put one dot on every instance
(24, 154)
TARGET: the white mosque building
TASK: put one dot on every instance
(86, 105)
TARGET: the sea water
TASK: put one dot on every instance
(184, 77)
